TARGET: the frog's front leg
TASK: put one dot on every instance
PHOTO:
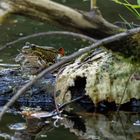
(41, 62)
(24, 64)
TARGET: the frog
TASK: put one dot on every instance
(34, 58)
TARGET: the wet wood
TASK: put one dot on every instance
(91, 23)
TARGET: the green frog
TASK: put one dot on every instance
(34, 58)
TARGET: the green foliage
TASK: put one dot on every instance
(131, 7)
(138, 2)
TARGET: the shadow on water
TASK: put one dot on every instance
(109, 126)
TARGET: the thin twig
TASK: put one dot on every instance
(70, 102)
(123, 127)
(9, 65)
(55, 112)
(66, 60)
(46, 34)
(54, 96)
(123, 94)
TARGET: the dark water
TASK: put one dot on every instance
(102, 127)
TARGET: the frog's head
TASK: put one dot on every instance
(28, 48)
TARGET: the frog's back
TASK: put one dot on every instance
(48, 54)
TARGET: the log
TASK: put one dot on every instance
(91, 23)
(5, 10)
(101, 76)
(128, 47)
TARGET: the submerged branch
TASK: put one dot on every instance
(66, 60)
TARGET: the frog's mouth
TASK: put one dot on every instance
(29, 66)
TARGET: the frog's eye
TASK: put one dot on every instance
(33, 46)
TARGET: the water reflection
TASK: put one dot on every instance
(12, 127)
(18, 126)
(86, 126)
(110, 126)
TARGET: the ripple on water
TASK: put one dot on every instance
(5, 136)
(137, 123)
(18, 126)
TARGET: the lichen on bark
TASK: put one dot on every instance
(107, 78)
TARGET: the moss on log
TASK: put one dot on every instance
(128, 47)
(107, 78)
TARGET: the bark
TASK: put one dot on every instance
(101, 76)
(5, 9)
(91, 23)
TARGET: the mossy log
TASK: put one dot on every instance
(101, 76)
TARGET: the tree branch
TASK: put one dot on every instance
(46, 34)
(90, 23)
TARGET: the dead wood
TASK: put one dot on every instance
(91, 23)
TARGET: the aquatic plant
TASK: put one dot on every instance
(131, 7)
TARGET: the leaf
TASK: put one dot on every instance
(138, 1)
